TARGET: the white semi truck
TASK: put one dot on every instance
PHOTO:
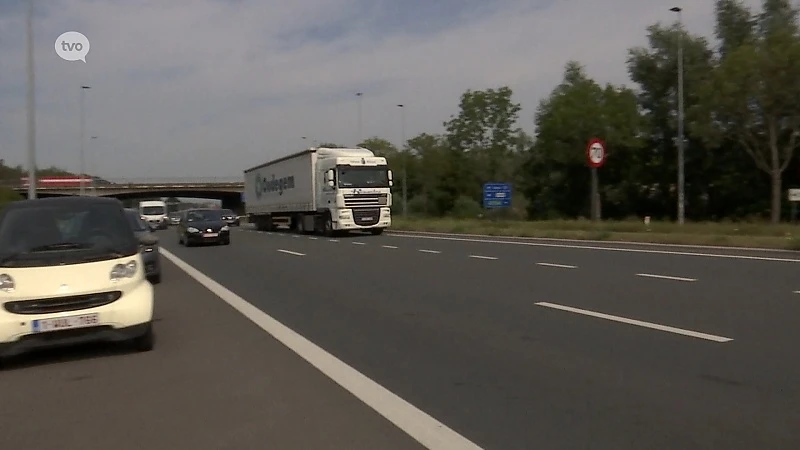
(321, 190)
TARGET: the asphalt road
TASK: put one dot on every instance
(215, 381)
(476, 335)
(514, 344)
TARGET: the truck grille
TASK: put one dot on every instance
(62, 304)
(366, 217)
(356, 200)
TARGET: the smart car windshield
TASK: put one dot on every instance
(58, 233)
(136, 221)
(205, 215)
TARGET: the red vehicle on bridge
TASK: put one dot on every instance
(63, 181)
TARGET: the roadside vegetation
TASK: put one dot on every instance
(742, 126)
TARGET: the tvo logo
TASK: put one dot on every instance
(267, 185)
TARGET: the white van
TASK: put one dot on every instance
(154, 213)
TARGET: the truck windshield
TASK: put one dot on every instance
(363, 177)
(153, 210)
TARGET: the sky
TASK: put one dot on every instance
(208, 88)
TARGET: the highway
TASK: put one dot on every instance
(484, 342)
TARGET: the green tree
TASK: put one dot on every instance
(752, 97)
(482, 136)
(576, 111)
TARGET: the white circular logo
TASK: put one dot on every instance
(72, 46)
(596, 153)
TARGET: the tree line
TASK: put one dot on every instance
(742, 123)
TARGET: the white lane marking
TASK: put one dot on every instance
(430, 251)
(333, 240)
(388, 246)
(313, 238)
(654, 326)
(359, 243)
(482, 257)
(664, 277)
(416, 423)
(295, 236)
(797, 292)
(563, 266)
(593, 241)
(608, 249)
(289, 252)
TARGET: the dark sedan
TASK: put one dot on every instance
(230, 218)
(203, 226)
(148, 246)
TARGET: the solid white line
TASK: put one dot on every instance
(430, 251)
(359, 243)
(416, 423)
(654, 326)
(608, 249)
(388, 246)
(665, 277)
(289, 252)
(563, 266)
(483, 257)
(594, 241)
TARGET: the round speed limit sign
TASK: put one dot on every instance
(596, 153)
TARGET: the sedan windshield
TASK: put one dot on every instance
(58, 234)
(210, 215)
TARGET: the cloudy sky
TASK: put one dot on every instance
(210, 87)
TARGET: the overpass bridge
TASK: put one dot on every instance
(229, 190)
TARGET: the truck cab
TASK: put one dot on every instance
(355, 188)
(154, 213)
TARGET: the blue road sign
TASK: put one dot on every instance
(497, 195)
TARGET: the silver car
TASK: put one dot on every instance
(148, 246)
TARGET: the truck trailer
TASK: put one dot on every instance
(321, 190)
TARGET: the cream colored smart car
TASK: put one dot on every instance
(71, 272)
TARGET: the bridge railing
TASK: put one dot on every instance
(130, 182)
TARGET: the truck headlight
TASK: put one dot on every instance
(192, 230)
(224, 228)
(7, 283)
(121, 271)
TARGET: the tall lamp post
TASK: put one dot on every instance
(83, 144)
(405, 159)
(31, 106)
(681, 162)
(359, 95)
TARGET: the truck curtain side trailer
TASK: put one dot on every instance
(321, 190)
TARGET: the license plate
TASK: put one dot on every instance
(63, 323)
(367, 218)
(211, 235)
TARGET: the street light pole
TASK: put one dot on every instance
(681, 161)
(405, 158)
(91, 183)
(359, 95)
(83, 144)
(31, 106)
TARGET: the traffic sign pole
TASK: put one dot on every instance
(596, 158)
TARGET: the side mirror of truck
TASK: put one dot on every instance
(389, 175)
(331, 183)
(330, 177)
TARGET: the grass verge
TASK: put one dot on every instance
(744, 234)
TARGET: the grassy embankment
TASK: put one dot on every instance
(733, 234)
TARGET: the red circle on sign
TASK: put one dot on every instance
(596, 153)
